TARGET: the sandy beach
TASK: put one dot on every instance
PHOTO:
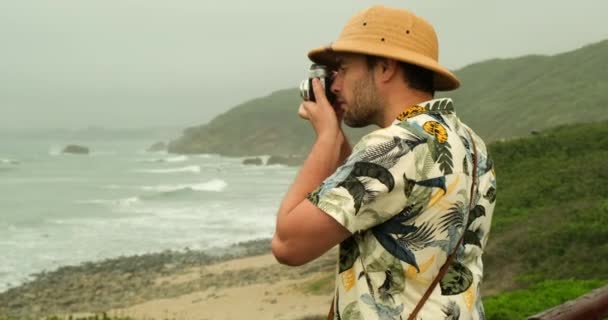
(182, 286)
(285, 299)
(243, 281)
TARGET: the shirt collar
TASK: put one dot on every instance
(440, 106)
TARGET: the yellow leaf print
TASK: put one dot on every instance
(469, 297)
(452, 186)
(411, 272)
(411, 112)
(436, 129)
(439, 195)
(348, 279)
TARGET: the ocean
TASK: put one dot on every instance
(59, 209)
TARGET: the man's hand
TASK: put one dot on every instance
(303, 231)
(325, 120)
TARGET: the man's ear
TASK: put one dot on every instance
(387, 69)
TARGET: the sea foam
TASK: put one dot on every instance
(193, 169)
(215, 185)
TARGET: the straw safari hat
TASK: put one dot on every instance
(390, 33)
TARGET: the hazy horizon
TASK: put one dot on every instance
(132, 64)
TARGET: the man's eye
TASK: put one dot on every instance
(340, 70)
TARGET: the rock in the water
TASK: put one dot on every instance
(253, 161)
(158, 146)
(292, 160)
(76, 149)
(8, 161)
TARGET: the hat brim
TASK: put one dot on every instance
(444, 80)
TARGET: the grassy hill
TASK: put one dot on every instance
(511, 97)
(551, 219)
(551, 216)
(267, 125)
(499, 98)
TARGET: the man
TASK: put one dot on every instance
(413, 193)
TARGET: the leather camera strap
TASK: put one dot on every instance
(451, 257)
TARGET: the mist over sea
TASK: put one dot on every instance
(58, 209)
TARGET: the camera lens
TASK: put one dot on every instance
(305, 90)
(321, 72)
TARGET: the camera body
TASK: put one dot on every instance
(325, 75)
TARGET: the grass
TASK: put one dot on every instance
(322, 285)
(523, 303)
(552, 208)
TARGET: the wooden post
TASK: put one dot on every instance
(592, 306)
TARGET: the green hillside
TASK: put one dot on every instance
(551, 217)
(499, 98)
(511, 97)
(267, 125)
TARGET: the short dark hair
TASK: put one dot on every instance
(417, 77)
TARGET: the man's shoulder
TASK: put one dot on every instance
(391, 132)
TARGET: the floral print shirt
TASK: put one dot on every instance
(404, 194)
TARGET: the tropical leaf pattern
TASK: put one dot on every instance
(352, 312)
(404, 194)
(451, 311)
(419, 239)
(441, 154)
(473, 237)
(383, 312)
(454, 217)
(394, 283)
(349, 252)
(363, 190)
(490, 195)
(408, 186)
(436, 129)
(456, 280)
(411, 112)
(441, 106)
(389, 152)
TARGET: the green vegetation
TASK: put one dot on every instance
(499, 98)
(552, 208)
(323, 285)
(267, 125)
(520, 304)
(511, 97)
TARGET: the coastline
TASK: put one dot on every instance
(242, 280)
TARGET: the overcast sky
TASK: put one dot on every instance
(134, 63)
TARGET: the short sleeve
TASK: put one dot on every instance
(369, 188)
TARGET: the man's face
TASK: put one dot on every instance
(356, 91)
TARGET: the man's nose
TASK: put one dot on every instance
(335, 85)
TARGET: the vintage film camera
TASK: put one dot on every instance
(326, 77)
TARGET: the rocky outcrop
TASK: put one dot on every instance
(156, 147)
(292, 160)
(253, 161)
(9, 161)
(75, 149)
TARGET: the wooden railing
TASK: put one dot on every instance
(592, 306)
